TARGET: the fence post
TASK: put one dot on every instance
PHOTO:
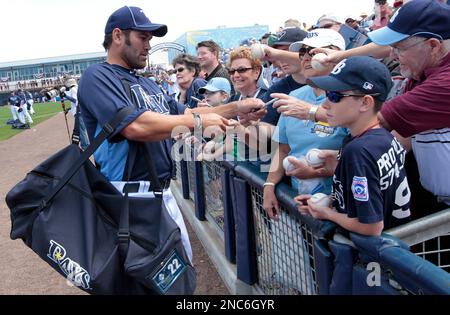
(199, 192)
(228, 216)
(184, 179)
(245, 233)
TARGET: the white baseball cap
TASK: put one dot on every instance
(320, 37)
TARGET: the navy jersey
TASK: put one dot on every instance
(14, 100)
(370, 180)
(193, 90)
(21, 96)
(286, 86)
(101, 94)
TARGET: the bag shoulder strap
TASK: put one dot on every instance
(107, 130)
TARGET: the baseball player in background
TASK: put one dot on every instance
(13, 108)
(71, 94)
(24, 115)
(30, 102)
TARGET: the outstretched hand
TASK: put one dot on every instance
(291, 106)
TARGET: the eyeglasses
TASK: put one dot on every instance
(400, 50)
(239, 70)
(180, 69)
(335, 97)
(305, 50)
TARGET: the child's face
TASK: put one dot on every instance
(215, 98)
(345, 112)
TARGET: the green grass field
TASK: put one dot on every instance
(43, 112)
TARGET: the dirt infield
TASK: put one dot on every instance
(22, 271)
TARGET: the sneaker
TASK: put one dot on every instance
(10, 122)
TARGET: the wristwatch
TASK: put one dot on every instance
(312, 112)
(198, 125)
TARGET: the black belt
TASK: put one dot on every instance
(134, 187)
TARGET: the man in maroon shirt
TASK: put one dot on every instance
(419, 36)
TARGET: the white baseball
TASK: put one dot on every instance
(320, 199)
(318, 61)
(288, 166)
(258, 50)
(313, 159)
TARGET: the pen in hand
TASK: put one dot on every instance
(199, 100)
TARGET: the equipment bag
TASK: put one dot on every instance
(101, 241)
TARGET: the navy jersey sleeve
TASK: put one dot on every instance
(362, 193)
(197, 84)
(175, 107)
(101, 95)
(272, 115)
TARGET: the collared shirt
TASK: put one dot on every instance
(425, 104)
(220, 72)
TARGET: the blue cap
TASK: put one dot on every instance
(215, 85)
(133, 18)
(425, 18)
(361, 73)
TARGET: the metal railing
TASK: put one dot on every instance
(429, 237)
(280, 257)
(213, 192)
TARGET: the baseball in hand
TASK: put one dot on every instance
(288, 166)
(320, 199)
(313, 159)
(258, 50)
(318, 61)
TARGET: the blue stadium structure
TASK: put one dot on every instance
(36, 74)
(226, 37)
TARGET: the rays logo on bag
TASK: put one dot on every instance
(360, 188)
(171, 269)
(74, 272)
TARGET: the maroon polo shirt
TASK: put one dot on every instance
(425, 104)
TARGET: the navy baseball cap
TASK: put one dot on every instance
(133, 18)
(288, 36)
(425, 18)
(361, 73)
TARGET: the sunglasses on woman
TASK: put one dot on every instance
(180, 69)
(239, 70)
(336, 97)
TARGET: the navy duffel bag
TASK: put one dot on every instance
(100, 240)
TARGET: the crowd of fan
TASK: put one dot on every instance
(297, 122)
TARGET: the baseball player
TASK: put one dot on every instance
(30, 102)
(24, 115)
(13, 108)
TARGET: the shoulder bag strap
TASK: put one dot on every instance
(107, 130)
